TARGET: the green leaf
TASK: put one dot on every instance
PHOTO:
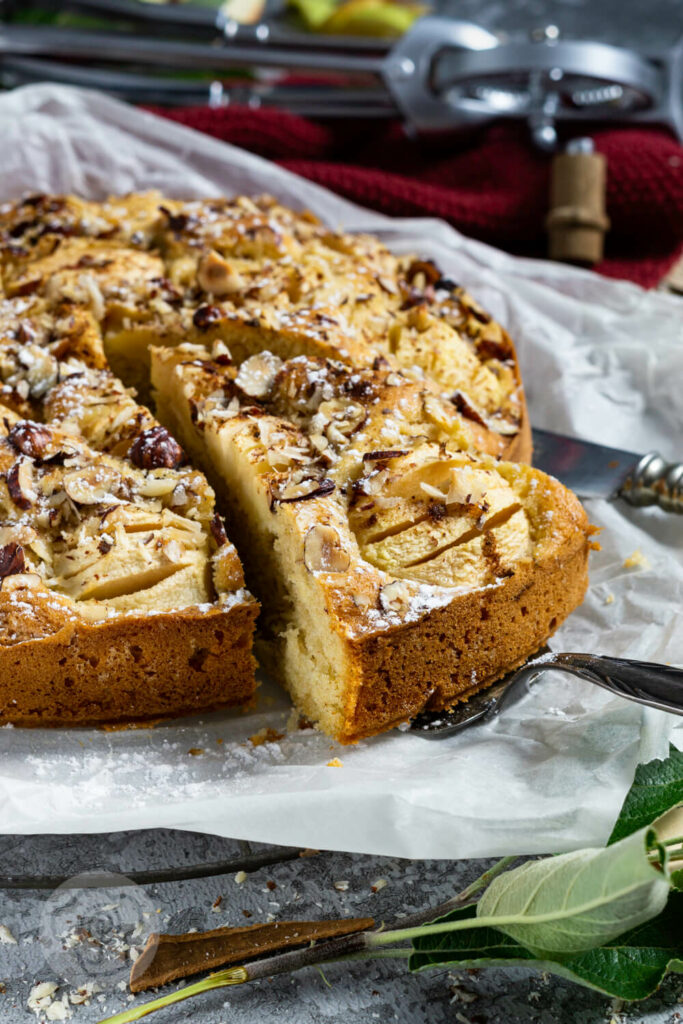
(657, 787)
(578, 900)
(629, 967)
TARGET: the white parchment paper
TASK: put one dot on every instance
(601, 359)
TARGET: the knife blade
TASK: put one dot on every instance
(596, 471)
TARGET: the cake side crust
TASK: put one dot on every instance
(93, 673)
(462, 648)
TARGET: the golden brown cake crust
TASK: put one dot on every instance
(461, 648)
(121, 599)
(127, 670)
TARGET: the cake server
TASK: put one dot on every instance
(656, 686)
(594, 471)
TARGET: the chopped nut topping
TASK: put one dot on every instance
(218, 531)
(20, 484)
(304, 490)
(392, 453)
(466, 407)
(156, 449)
(395, 597)
(11, 560)
(216, 276)
(92, 485)
(256, 374)
(205, 316)
(323, 551)
(30, 438)
(428, 268)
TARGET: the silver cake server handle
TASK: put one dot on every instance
(656, 686)
(654, 481)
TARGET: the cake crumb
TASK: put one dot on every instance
(216, 903)
(335, 763)
(196, 751)
(342, 886)
(240, 877)
(609, 599)
(378, 884)
(6, 937)
(636, 561)
(265, 736)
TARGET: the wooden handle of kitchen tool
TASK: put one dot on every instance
(577, 221)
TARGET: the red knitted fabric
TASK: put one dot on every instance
(489, 183)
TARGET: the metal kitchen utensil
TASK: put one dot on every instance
(443, 74)
(656, 686)
(595, 471)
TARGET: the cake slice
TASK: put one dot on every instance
(121, 599)
(397, 571)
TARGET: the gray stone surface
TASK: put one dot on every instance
(379, 992)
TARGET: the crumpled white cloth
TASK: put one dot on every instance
(601, 359)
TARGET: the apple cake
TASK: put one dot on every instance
(397, 570)
(363, 423)
(121, 599)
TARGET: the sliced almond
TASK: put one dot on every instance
(21, 485)
(387, 285)
(92, 485)
(156, 487)
(302, 490)
(338, 419)
(503, 426)
(323, 551)
(172, 551)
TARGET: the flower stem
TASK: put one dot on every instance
(231, 976)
